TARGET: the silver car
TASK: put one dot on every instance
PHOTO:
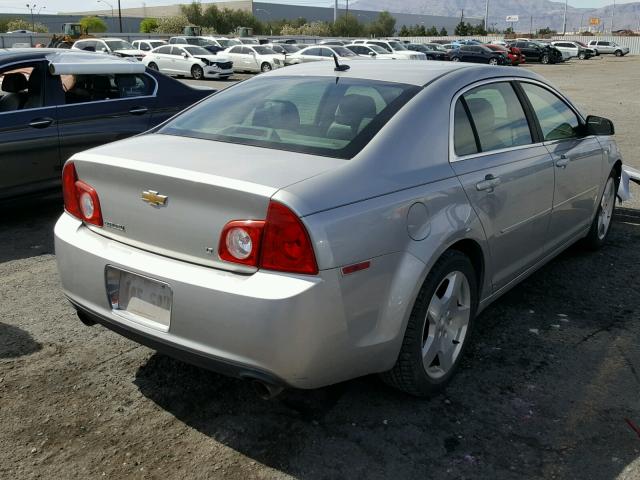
(309, 226)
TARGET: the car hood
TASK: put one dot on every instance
(131, 52)
(213, 58)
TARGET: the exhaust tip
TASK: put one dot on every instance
(266, 391)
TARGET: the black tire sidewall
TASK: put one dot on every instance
(195, 69)
(265, 67)
(153, 66)
(452, 261)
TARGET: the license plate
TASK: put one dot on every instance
(139, 298)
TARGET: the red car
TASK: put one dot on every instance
(512, 53)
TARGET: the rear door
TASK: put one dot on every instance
(163, 59)
(98, 109)
(507, 175)
(578, 163)
(29, 155)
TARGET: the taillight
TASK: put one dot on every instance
(80, 199)
(240, 242)
(280, 243)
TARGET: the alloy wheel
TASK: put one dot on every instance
(606, 209)
(446, 324)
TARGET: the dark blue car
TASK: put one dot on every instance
(54, 103)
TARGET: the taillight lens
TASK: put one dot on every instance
(286, 245)
(240, 242)
(280, 243)
(80, 199)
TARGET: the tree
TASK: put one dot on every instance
(172, 24)
(383, 26)
(461, 30)
(193, 12)
(313, 29)
(148, 25)
(443, 32)
(20, 24)
(347, 26)
(93, 25)
(431, 32)
(546, 31)
(404, 31)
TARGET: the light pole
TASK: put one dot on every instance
(31, 8)
(109, 5)
(564, 21)
(120, 16)
(613, 15)
(486, 16)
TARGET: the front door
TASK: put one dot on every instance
(578, 164)
(506, 174)
(29, 155)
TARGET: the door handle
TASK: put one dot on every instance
(563, 162)
(41, 122)
(488, 184)
(138, 110)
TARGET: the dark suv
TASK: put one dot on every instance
(539, 52)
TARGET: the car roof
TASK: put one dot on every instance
(19, 54)
(403, 71)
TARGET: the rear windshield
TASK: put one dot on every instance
(327, 116)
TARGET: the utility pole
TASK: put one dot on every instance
(564, 21)
(486, 16)
(531, 26)
(120, 16)
(335, 12)
(613, 14)
(347, 13)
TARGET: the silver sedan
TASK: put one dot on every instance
(309, 226)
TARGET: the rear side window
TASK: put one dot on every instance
(92, 88)
(497, 116)
(316, 115)
(556, 119)
(464, 138)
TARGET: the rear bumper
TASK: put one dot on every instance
(289, 330)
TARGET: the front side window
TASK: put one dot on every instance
(556, 119)
(497, 117)
(264, 51)
(143, 46)
(21, 87)
(163, 50)
(92, 88)
(312, 52)
(315, 115)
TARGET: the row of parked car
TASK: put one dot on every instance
(218, 57)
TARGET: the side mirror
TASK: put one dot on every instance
(184, 54)
(599, 126)
(372, 54)
(104, 49)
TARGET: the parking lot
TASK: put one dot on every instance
(550, 388)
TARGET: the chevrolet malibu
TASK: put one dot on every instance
(307, 226)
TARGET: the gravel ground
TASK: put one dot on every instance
(545, 390)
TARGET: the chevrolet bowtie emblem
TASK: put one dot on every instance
(154, 198)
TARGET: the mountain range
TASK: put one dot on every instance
(542, 13)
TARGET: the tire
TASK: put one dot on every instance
(601, 225)
(153, 66)
(545, 60)
(266, 67)
(455, 59)
(618, 53)
(582, 56)
(493, 61)
(442, 330)
(197, 73)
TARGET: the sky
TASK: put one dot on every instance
(53, 6)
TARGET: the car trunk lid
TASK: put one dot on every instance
(191, 187)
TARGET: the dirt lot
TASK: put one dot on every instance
(543, 393)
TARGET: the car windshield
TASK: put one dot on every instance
(118, 45)
(290, 48)
(226, 42)
(581, 44)
(397, 45)
(343, 52)
(264, 51)
(197, 51)
(327, 116)
(378, 49)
